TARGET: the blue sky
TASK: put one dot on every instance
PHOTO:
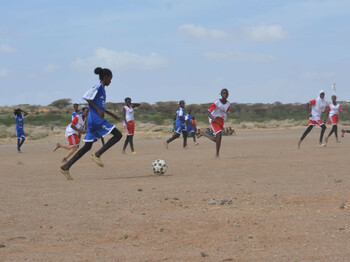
(261, 51)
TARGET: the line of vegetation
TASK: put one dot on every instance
(58, 113)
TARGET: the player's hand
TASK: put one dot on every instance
(83, 132)
(127, 127)
(310, 115)
(214, 120)
(116, 117)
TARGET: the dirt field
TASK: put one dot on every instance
(263, 200)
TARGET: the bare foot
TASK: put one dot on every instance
(166, 144)
(326, 139)
(58, 145)
(299, 144)
(64, 160)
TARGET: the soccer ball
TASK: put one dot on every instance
(159, 166)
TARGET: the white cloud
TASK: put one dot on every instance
(236, 56)
(6, 49)
(120, 60)
(201, 32)
(3, 72)
(263, 32)
(317, 75)
(50, 68)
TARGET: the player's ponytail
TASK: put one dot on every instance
(102, 72)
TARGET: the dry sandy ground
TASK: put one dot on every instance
(287, 204)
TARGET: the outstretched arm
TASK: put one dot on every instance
(135, 104)
(113, 115)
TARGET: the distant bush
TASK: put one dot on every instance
(61, 103)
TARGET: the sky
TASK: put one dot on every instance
(168, 50)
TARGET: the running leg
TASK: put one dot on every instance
(322, 132)
(113, 140)
(184, 135)
(307, 131)
(126, 143)
(218, 143)
(82, 151)
(131, 143)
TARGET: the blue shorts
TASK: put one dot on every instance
(94, 133)
(179, 128)
(190, 130)
(20, 133)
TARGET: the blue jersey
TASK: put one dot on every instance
(98, 96)
(74, 114)
(180, 113)
(19, 121)
(190, 127)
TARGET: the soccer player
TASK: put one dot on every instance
(315, 108)
(217, 114)
(191, 126)
(333, 112)
(76, 111)
(97, 125)
(129, 124)
(79, 112)
(179, 126)
(21, 137)
(73, 133)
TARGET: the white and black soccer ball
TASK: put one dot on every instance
(159, 166)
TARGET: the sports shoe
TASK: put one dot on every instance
(66, 174)
(342, 132)
(97, 160)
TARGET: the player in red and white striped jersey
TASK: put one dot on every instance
(73, 133)
(129, 124)
(217, 116)
(333, 112)
(315, 109)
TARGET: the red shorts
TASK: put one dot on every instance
(73, 140)
(217, 127)
(131, 129)
(334, 119)
(317, 122)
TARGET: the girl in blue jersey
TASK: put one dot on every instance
(19, 116)
(180, 126)
(97, 126)
(191, 129)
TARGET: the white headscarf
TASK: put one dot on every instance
(321, 103)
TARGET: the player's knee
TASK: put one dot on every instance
(117, 134)
(87, 146)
